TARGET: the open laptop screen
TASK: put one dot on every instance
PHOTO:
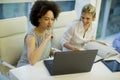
(71, 62)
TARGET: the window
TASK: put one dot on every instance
(66, 5)
(109, 20)
(10, 10)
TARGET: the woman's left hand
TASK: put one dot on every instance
(99, 42)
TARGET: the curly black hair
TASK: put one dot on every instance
(40, 8)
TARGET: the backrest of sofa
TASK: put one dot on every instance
(12, 32)
(60, 26)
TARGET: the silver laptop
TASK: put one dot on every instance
(71, 62)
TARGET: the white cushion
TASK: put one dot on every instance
(12, 26)
(58, 33)
(60, 26)
(103, 50)
(12, 33)
(64, 18)
(11, 48)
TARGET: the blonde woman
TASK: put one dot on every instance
(80, 31)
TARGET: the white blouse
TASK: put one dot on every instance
(75, 32)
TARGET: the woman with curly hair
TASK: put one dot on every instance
(38, 40)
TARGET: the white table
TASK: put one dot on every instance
(39, 72)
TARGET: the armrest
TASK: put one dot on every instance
(56, 50)
(7, 64)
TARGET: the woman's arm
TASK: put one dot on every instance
(71, 47)
(35, 54)
(98, 42)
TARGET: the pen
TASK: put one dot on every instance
(98, 60)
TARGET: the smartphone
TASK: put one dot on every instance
(113, 65)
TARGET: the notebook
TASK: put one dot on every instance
(71, 62)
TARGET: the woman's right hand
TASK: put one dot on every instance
(76, 48)
(49, 36)
(71, 47)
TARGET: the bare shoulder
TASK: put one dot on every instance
(30, 39)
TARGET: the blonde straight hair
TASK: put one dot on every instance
(89, 8)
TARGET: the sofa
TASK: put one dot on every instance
(12, 33)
